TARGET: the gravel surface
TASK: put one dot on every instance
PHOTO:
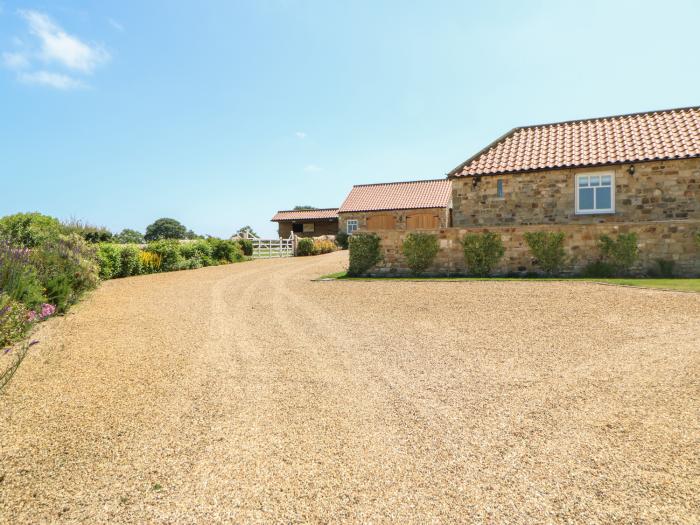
(247, 393)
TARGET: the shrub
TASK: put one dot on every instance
(128, 236)
(67, 267)
(130, 261)
(14, 322)
(620, 253)
(18, 277)
(109, 259)
(226, 251)
(548, 249)
(305, 246)
(420, 250)
(169, 252)
(200, 250)
(341, 239)
(364, 253)
(599, 269)
(246, 246)
(92, 234)
(662, 268)
(28, 230)
(323, 246)
(150, 262)
(482, 252)
(697, 238)
(165, 229)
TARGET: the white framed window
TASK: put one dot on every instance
(595, 193)
(308, 227)
(351, 226)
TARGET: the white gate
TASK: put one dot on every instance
(269, 248)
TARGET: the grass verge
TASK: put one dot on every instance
(686, 285)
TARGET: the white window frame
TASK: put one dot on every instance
(596, 211)
(351, 222)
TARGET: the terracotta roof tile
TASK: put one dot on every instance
(303, 215)
(398, 196)
(656, 135)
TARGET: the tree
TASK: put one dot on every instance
(128, 236)
(305, 208)
(244, 229)
(165, 229)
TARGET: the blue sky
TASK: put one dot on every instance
(218, 113)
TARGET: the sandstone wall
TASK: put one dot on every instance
(671, 240)
(656, 191)
(443, 215)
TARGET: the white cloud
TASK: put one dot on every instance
(54, 80)
(312, 168)
(116, 25)
(59, 46)
(15, 60)
(300, 135)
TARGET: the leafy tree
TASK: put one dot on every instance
(244, 229)
(304, 208)
(165, 229)
(128, 236)
(28, 230)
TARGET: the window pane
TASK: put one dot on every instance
(603, 198)
(585, 199)
(595, 181)
(606, 180)
(583, 181)
(500, 188)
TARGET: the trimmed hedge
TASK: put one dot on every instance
(548, 249)
(420, 250)
(305, 246)
(364, 253)
(482, 252)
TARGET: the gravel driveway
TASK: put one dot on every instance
(247, 393)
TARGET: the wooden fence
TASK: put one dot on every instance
(269, 248)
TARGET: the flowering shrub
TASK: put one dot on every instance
(150, 262)
(15, 320)
(67, 267)
(18, 277)
(323, 246)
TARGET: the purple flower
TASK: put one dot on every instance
(47, 310)
(31, 316)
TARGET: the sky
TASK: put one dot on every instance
(219, 113)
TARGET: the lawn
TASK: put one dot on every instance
(685, 285)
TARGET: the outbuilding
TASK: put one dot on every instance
(307, 223)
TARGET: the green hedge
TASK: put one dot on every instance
(482, 252)
(548, 249)
(420, 250)
(364, 253)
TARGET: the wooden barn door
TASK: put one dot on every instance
(380, 222)
(422, 221)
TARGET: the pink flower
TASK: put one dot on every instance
(31, 316)
(47, 310)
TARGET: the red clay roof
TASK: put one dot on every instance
(656, 135)
(398, 196)
(304, 215)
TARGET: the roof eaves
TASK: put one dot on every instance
(453, 173)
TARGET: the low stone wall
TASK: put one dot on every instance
(671, 240)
